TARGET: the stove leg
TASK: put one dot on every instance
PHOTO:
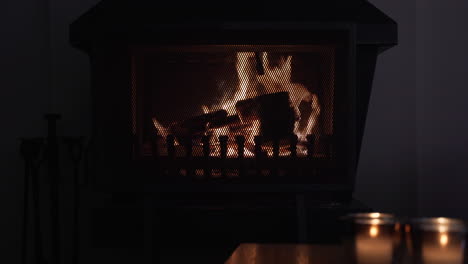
(24, 236)
(301, 218)
(148, 247)
(53, 171)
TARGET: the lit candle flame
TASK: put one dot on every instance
(443, 229)
(443, 239)
(442, 220)
(374, 231)
(374, 215)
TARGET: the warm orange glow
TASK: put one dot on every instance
(274, 79)
(442, 220)
(443, 228)
(374, 231)
(443, 239)
(397, 227)
(205, 109)
(407, 228)
(160, 128)
(374, 215)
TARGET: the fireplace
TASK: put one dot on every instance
(253, 102)
(240, 97)
(202, 94)
(237, 113)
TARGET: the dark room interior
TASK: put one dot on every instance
(285, 127)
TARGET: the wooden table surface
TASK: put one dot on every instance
(288, 254)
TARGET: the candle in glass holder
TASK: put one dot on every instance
(442, 240)
(374, 238)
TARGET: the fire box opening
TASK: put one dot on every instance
(218, 99)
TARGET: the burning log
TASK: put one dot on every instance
(274, 112)
(197, 125)
(230, 121)
(269, 116)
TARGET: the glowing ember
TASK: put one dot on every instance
(162, 131)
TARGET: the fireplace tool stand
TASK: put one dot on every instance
(35, 152)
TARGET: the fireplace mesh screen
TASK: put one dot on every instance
(231, 101)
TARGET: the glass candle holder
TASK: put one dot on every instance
(435, 241)
(373, 238)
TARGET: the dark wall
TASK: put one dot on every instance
(40, 73)
(414, 159)
(70, 68)
(24, 56)
(387, 172)
(442, 113)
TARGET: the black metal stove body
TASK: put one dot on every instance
(131, 44)
(121, 37)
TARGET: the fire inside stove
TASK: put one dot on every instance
(228, 101)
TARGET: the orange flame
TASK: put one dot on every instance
(275, 79)
(162, 131)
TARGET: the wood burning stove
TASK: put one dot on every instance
(250, 114)
(267, 99)
(202, 96)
